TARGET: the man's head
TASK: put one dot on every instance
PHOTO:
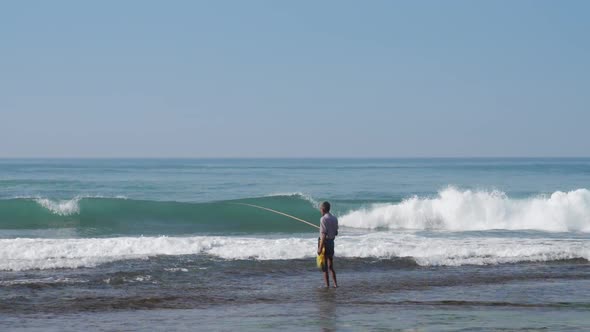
(325, 207)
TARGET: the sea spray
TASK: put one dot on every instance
(62, 207)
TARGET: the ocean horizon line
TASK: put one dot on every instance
(297, 158)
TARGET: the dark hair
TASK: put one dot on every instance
(325, 206)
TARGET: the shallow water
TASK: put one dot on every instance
(139, 295)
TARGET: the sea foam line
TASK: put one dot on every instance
(25, 254)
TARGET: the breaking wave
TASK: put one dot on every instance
(456, 210)
(93, 216)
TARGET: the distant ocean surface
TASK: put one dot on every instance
(427, 244)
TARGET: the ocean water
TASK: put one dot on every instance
(424, 244)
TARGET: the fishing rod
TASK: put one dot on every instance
(279, 212)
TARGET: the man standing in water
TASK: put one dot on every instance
(328, 232)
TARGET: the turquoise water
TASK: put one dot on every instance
(206, 180)
(432, 244)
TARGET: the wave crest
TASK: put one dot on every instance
(60, 208)
(306, 197)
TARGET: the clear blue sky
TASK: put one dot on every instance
(294, 79)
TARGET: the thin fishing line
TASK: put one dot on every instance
(279, 212)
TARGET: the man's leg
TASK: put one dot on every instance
(331, 268)
(326, 279)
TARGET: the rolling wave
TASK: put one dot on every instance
(450, 210)
(94, 216)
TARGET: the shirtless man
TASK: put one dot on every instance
(328, 232)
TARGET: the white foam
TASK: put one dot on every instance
(176, 269)
(141, 278)
(467, 251)
(297, 194)
(49, 280)
(468, 210)
(62, 207)
(25, 254)
(68, 207)
(146, 277)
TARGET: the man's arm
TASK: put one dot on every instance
(321, 245)
(323, 232)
